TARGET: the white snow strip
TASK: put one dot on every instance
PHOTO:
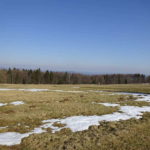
(68, 91)
(41, 90)
(145, 98)
(109, 104)
(11, 138)
(33, 90)
(56, 90)
(17, 103)
(30, 90)
(13, 103)
(3, 127)
(5, 89)
(96, 91)
(129, 93)
(140, 96)
(75, 91)
(3, 104)
(14, 138)
(80, 123)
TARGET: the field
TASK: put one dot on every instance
(86, 117)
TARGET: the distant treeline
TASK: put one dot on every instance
(24, 76)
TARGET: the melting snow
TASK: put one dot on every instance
(145, 98)
(79, 123)
(17, 103)
(75, 91)
(75, 123)
(109, 104)
(11, 138)
(12, 103)
(4, 89)
(3, 104)
(67, 91)
(40, 90)
(96, 91)
(14, 138)
(31, 90)
(3, 127)
(56, 90)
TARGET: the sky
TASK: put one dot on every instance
(87, 36)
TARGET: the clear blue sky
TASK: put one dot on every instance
(89, 36)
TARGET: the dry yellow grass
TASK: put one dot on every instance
(50, 104)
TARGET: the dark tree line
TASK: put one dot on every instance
(24, 76)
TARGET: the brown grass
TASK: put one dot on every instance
(124, 135)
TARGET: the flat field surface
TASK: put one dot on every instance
(23, 108)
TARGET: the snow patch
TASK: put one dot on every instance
(68, 91)
(17, 103)
(30, 90)
(3, 127)
(3, 104)
(11, 138)
(34, 90)
(96, 91)
(14, 138)
(145, 98)
(56, 90)
(79, 123)
(109, 104)
(75, 91)
(5, 89)
(75, 123)
(13, 103)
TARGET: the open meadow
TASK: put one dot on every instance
(74, 117)
(74, 75)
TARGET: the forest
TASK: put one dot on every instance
(28, 76)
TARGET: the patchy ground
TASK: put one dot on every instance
(56, 113)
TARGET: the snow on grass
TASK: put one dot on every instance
(11, 138)
(17, 103)
(56, 90)
(14, 138)
(96, 91)
(4, 89)
(3, 127)
(75, 123)
(30, 90)
(135, 111)
(79, 123)
(75, 91)
(67, 91)
(39, 90)
(49, 124)
(3, 104)
(34, 90)
(145, 98)
(13, 103)
(109, 104)
(140, 96)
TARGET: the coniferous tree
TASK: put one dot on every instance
(46, 77)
